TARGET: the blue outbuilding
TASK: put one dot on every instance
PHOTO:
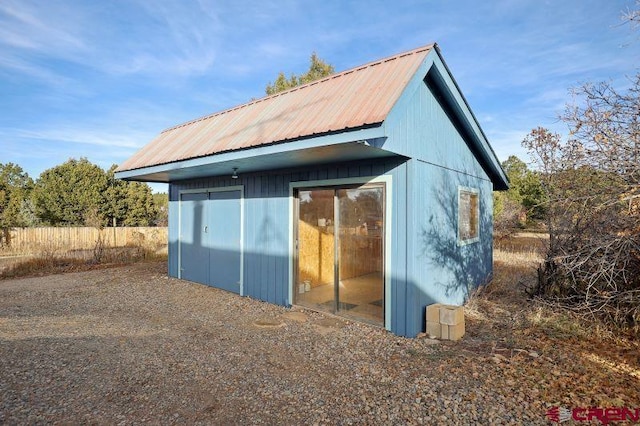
(367, 194)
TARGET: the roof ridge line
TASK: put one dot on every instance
(312, 83)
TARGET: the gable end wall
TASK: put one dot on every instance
(439, 268)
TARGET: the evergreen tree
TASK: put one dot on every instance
(65, 194)
(161, 202)
(15, 187)
(317, 69)
(141, 210)
(74, 193)
(525, 187)
(130, 203)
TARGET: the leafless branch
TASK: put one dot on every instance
(593, 195)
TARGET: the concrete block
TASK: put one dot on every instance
(433, 330)
(444, 331)
(433, 313)
(451, 315)
(456, 331)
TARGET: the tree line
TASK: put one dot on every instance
(76, 193)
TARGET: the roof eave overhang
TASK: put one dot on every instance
(444, 82)
(357, 144)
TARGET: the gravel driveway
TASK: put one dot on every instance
(129, 345)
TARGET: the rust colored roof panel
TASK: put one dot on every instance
(354, 98)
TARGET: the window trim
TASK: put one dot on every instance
(476, 192)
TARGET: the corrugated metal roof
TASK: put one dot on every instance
(351, 99)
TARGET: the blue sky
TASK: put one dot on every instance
(99, 79)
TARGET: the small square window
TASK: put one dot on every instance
(468, 215)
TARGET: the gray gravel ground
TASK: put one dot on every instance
(129, 345)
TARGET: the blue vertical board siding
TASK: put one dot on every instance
(266, 221)
(444, 269)
(438, 268)
(424, 131)
(261, 237)
(272, 238)
(282, 272)
(249, 229)
(173, 229)
(398, 246)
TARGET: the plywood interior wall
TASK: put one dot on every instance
(315, 254)
(359, 254)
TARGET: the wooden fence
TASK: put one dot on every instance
(54, 239)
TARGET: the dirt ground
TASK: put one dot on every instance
(129, 345)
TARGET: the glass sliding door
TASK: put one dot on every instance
(340, 251)
(361, 248)
(316, 249)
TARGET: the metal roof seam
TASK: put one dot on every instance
(293, 89)
(351, 99)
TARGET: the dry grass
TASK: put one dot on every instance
(516, 259)
(561, 324)
(54, 261)
(41, 266)
(521, 248)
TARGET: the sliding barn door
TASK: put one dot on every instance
(225, 240)
(211, 238)
(194, 250)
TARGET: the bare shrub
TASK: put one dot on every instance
(508, 215)
(632, 16)
(592, 183)
(49, 249)
(42, 266)
(155, 240)
(138, 243)
(92, 218)
(5, 238)
(99, 248)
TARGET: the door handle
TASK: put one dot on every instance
(206, 229)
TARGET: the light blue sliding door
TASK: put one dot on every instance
(225, 240)
(194, 251)
(211, 238)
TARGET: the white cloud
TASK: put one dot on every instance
(9, 65)
(75, 135)
(39, 27)
(159, 39)
(174, 37)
